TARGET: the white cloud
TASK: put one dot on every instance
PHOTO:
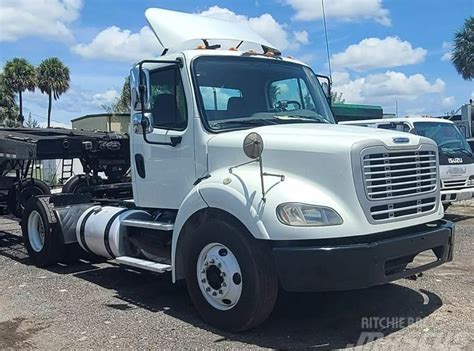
(76, 101)
(385, 87)
(55, 124)
(265, 25)
(447, 47)
(302, 36)
(446, 57)
(376, 53)
(307, 58)
(106, 98)
(45, 18)
(448, 101)
(347, 10)
(115, 44)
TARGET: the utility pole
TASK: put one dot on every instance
(327, 43)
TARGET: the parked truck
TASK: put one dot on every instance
(456, 159)
(243, 184)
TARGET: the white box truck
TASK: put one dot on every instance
(456, 160)
(243, 184)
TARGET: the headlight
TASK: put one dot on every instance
(303, 215)
(470, 181)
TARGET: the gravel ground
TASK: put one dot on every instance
(98, 305)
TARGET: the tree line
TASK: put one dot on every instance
(51, 77)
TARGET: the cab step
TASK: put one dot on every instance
(143, 264)
(137, 223)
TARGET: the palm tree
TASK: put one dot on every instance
(20, 75)
(8, 106)
(53, 79)
(463, 51)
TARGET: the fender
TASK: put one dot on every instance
(228, 199)
(212, 193)
(191, 204)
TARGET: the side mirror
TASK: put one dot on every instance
(253, 146)
(140, 90)
(325, 87)
(141, 122)
(325, 82)
(145, 91)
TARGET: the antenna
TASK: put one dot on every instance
(327, 43)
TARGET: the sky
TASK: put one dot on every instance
(383, 52)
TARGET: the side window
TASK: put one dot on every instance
(290, 94)
(168, 102)
(401, 127)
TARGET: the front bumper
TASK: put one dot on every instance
(360, 262)
(448, 196)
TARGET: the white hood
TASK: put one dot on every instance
(286, 144)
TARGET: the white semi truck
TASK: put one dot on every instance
(243, 184)
(456, 160)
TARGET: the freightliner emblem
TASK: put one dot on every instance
(400, 140)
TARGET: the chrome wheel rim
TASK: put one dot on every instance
(36, 231)
(219, 276)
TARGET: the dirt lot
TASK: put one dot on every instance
(98, 305)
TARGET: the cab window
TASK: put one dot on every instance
(401, 127)
(292, 93)
(168, 103)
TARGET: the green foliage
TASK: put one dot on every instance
(19, 75)
(8, 106)
(463, 50)
(53, 79)
(31, 122)
(336, 98)
(123, 102)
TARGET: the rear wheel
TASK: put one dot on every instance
(42, 233)
(78, 184)
(21, 192)
(230, 276)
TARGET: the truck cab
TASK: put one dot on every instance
(456, 159)
(243, 184)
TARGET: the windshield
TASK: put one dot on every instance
(446, 135)
(237, 93)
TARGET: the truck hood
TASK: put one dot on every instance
(283, 141)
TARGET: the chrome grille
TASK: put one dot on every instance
(455, 184)
(393, 175)
(401, 209)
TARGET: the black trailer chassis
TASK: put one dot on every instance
(21, 148)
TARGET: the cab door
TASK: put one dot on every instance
(164, 174)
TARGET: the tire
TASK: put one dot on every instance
(258, 279)
(21, 192)
(78, 184)
(42, 233)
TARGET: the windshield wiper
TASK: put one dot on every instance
(315, 119)
(464, 151)
(452, 152)
(243, 123)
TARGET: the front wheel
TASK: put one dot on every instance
(230, 276)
